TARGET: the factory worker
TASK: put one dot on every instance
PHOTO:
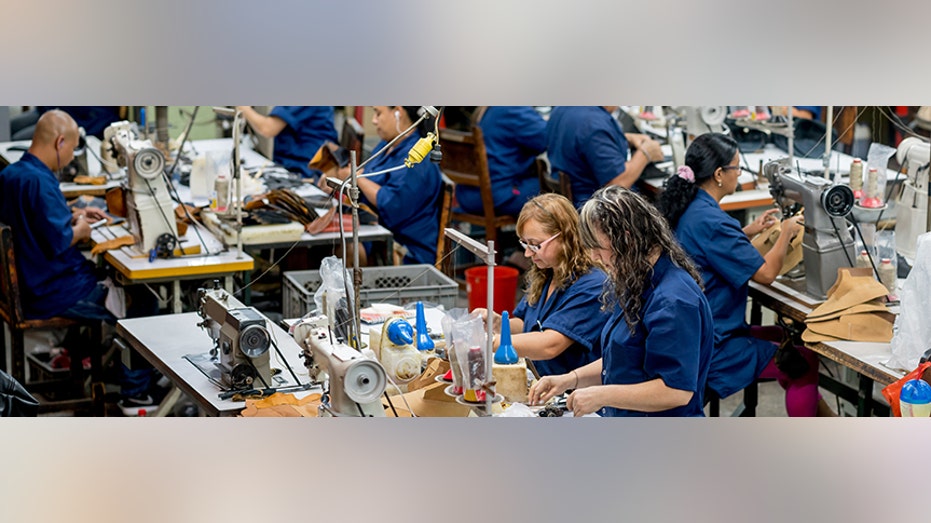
(728, 261)
(656, 346)
(557, 322)
(298, 130)
(588, 144)
(514, 136)
(407, 201)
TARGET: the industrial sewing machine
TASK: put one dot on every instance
(356, 380)
(912, 204)
(149, 208)
(827, 244)
(241, 339)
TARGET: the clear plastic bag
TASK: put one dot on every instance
(335, 280)
(874, 177)
(911, 334)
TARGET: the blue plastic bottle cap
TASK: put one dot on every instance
(401, 333)
(916, 392)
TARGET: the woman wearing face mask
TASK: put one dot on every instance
(557, 322)
(407, 201)
(728, 261)
(656, 347)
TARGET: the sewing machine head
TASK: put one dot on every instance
(912, 204)
(356, 380)
(149, 208)
(827, 244)
(241, 339)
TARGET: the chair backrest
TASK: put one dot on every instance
(465, 163)
(446, 217)
(11, 309)
(351, 137)
(559, 185)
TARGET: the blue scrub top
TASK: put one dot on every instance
(514, 137)
(408, 201)
(674, 341)
(727, 260)
(308, 127)
(815, 110)
(586, 143)
(53, 274)
(574, 312)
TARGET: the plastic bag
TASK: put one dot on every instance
(449, 320)
(469, 336)
(891, 392)
(911, 334)
(335, 281)
(874, 181)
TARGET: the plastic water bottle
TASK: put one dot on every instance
(915, 399)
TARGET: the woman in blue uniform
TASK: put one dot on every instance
(656, 347)
(298, 130)
(514, 137)
(407, 201)
(559, 318)
(728, 261)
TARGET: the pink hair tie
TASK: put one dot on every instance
(686, 173)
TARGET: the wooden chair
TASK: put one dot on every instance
(466, 164)
(11, 312)
(352, 136)
(446, 208)
(548, 184)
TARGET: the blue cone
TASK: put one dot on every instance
(505, 355)
(424, 341)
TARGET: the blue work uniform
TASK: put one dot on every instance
(814, 109)
(514, 137)
(586, 143)
(93, 118)
(308, 127)
(673, 341)
(717, 244)
(408, 201)
(574, 312)
(53, 274)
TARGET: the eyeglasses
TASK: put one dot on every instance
(730, 167)
(536, 248)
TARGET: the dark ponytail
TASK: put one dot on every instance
(704, 156)
(425, 126)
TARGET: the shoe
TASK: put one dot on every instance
(141, 405)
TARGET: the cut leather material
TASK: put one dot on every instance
(848, 291)
(872, 306)
(115, 243)
(766, 239)
(855, 327)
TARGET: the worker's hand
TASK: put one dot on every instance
(243, 108)
(652, 149)
(495, 317)
(325, 187)
(550, 386)
(763, 222)
(585, 401)
(343, 172)
(81, 229)
(93, 214)
(793, 225)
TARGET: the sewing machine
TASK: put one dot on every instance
(827, 244)
(912, 204)
(241, 339)
(149, 208)
(356, 381)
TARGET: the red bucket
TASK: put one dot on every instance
(505, 287)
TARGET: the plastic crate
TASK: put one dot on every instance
(399, 285)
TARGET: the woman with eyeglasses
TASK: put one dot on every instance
(656, 346)
(558, 320)
(728, 261)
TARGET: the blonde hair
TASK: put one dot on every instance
(555, 214)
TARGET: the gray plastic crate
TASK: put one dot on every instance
(399, 285)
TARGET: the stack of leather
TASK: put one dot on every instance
(855, 310)
(766, 240)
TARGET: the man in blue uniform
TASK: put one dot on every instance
(298, 130)
(93, 118)
(56, 279)
(587, 143)
(514, 137)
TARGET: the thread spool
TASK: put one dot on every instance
(887, 274)
(871, 197)
(856, 177)
(222, 187)
(863, 259)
